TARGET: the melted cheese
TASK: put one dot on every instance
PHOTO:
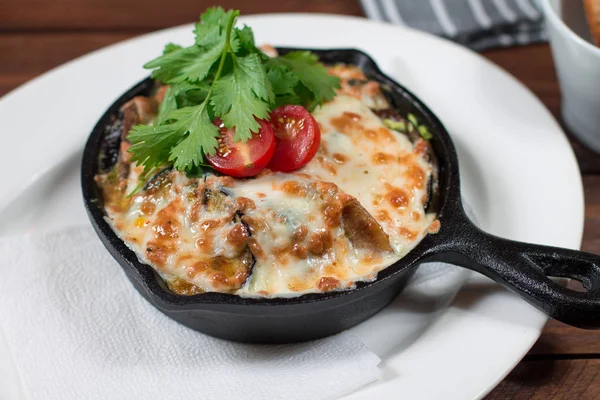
(378, 166)
(353, 210)
(300, 238)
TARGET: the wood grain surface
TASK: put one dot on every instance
(553, 379)
(127, 15)
(38, 35)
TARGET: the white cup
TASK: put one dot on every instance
(577, 63)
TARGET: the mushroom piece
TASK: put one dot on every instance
(362, 229)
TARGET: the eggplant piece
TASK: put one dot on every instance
(109, 147)
(230, 273)
(233, 270)
(158, 181)
(362, 229)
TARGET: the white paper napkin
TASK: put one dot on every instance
(78, 330)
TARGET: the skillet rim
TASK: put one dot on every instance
(149, 279)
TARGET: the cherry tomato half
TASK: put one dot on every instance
(239, 159)
(297, 137)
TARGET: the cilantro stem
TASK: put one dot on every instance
(226, 50)
(143, 180)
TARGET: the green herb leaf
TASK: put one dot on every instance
(245, 36)
(185, 94)
(171, 47)
(242, 96)
(168, 105)
(213, 28)
(191, 63)
(209, 25)
(283, 81)
(201, 139)
(284, 84)
(151, 145)
(311, 74)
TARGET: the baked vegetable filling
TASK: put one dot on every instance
(356, 207)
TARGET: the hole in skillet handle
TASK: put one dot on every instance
(525, 269)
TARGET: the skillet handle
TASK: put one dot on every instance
(525, 269)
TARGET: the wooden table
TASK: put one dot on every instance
(36, 35)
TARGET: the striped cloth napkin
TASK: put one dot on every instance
(478, 24)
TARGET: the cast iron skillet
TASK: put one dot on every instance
(520, 267)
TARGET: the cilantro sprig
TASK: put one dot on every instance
(222, 75)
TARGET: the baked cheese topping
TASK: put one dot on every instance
(357, 207)
(379, 167)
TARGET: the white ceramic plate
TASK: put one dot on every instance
(517, 169)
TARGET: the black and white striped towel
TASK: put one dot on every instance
(478, 24)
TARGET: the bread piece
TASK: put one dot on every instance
(592, 11)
